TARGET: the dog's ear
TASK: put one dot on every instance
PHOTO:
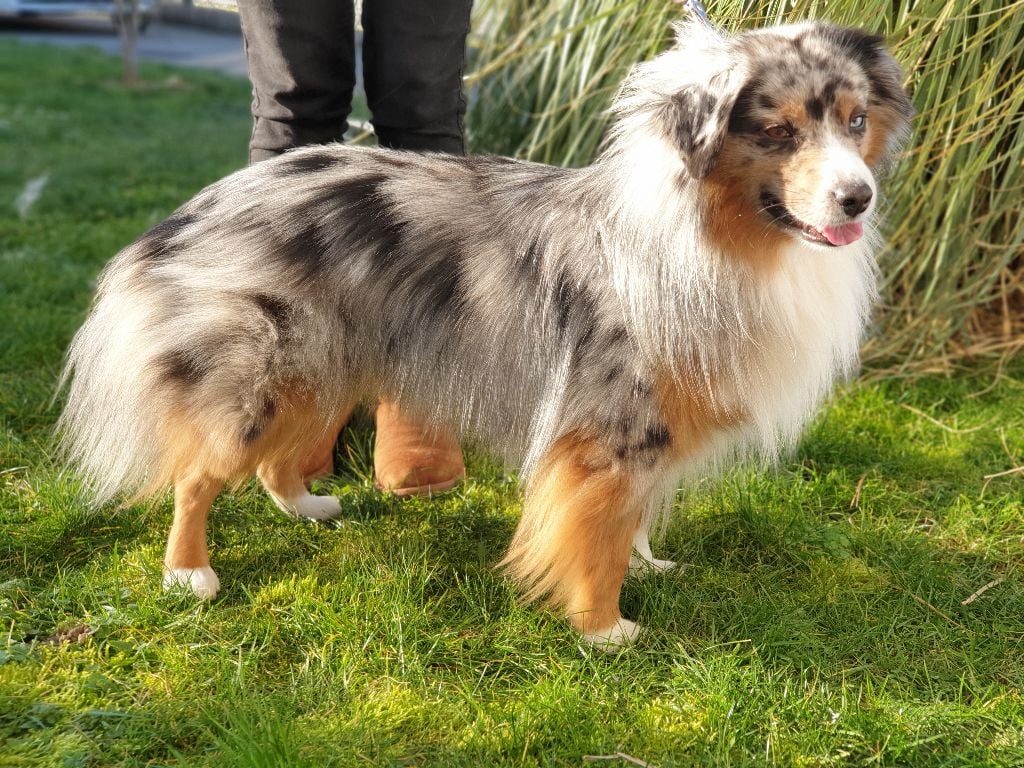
(683, 97)
(695, 118)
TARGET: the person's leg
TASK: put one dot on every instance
(301, 56)
(413, 57)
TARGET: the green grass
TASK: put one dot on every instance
(815, 623)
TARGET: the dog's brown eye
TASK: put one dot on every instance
(858, 122)
(778, 132)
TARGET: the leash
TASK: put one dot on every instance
(697, 9)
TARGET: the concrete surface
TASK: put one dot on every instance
(217, 19)
(167, 43)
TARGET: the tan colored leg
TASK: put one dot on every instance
(187, 562)
(286, 487)
(595, 582)
(410, 459)
(320, 461)
(574, 540)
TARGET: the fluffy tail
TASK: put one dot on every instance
(108, 428)
(167, 377)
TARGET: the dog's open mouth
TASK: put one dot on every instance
(832, 236)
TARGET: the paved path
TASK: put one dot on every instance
(167, 43)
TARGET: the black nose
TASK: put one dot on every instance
(854, 199)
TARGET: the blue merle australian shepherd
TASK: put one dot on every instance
(617, 330)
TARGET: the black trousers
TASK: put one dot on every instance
(301, 56)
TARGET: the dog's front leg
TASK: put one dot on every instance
(574, 540)
(643, 561)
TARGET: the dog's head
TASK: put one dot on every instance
(783, 126)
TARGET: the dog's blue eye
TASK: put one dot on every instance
(857, 122)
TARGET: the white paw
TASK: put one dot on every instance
(622, 633)
(317, 507)
(202, 582)
(310, 506)
(639, 566)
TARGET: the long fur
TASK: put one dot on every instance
(608, 327)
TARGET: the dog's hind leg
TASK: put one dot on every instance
(187, 562)
(283, 481)
(288, 453)
(574, 541)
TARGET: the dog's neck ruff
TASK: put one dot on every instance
(768, 344)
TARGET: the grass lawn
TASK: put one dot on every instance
(821, 618)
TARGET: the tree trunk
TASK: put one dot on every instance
(128, 29)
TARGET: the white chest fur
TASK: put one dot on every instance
(800, 331)
(816, 308)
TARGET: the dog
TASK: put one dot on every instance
(619, 329)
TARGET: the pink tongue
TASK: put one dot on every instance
(844, 234)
